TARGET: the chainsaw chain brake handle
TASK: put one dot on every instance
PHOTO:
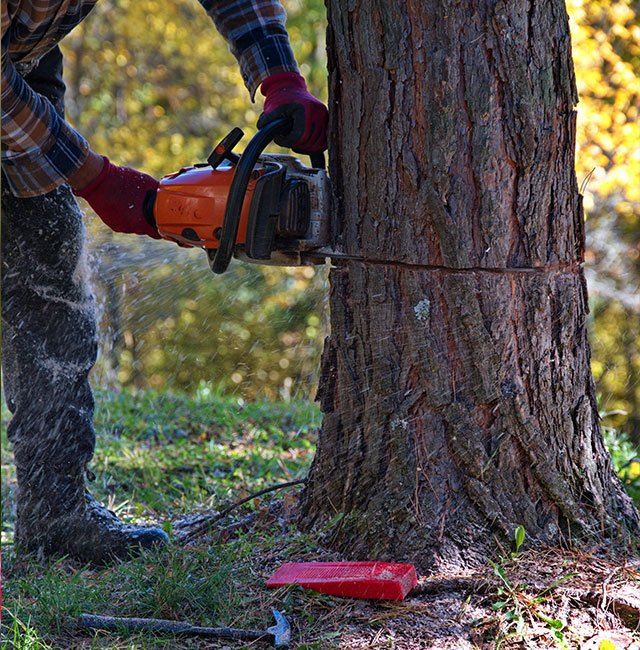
(220, 258)
(223, 151)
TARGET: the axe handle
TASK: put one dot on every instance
(159, 625)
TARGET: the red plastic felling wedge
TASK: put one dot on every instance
(371, 580)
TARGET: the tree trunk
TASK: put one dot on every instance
(456, 388)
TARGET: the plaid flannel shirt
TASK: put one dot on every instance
(40, 151)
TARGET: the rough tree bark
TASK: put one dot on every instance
(456, 389)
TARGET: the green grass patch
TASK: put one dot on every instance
(208, 585)
(170, 453)
(160, 456)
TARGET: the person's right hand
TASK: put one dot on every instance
(117, 196)
(286, 95)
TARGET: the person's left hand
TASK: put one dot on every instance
(286, 95)
(117, 196)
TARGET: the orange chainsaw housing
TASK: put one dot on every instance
(190, 205)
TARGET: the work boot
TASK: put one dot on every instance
(56, 516)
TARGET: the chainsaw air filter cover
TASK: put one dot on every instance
(295, 209)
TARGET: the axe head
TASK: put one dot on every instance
(281, 631)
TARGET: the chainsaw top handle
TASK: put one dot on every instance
(219, 261)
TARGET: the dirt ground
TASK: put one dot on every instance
(598, 607)
(549, 598)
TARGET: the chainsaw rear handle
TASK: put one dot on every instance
(220, 258)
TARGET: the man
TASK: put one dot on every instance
(48, 314)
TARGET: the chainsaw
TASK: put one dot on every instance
(263, 209)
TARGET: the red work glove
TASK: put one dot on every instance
(117, 196)
(286, 95)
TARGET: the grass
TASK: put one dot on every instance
(158, 457)
(206, 585)
(165, 454)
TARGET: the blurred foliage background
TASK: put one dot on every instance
(606, 51)
(152, 85)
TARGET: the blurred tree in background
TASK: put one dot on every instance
(153, 85)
